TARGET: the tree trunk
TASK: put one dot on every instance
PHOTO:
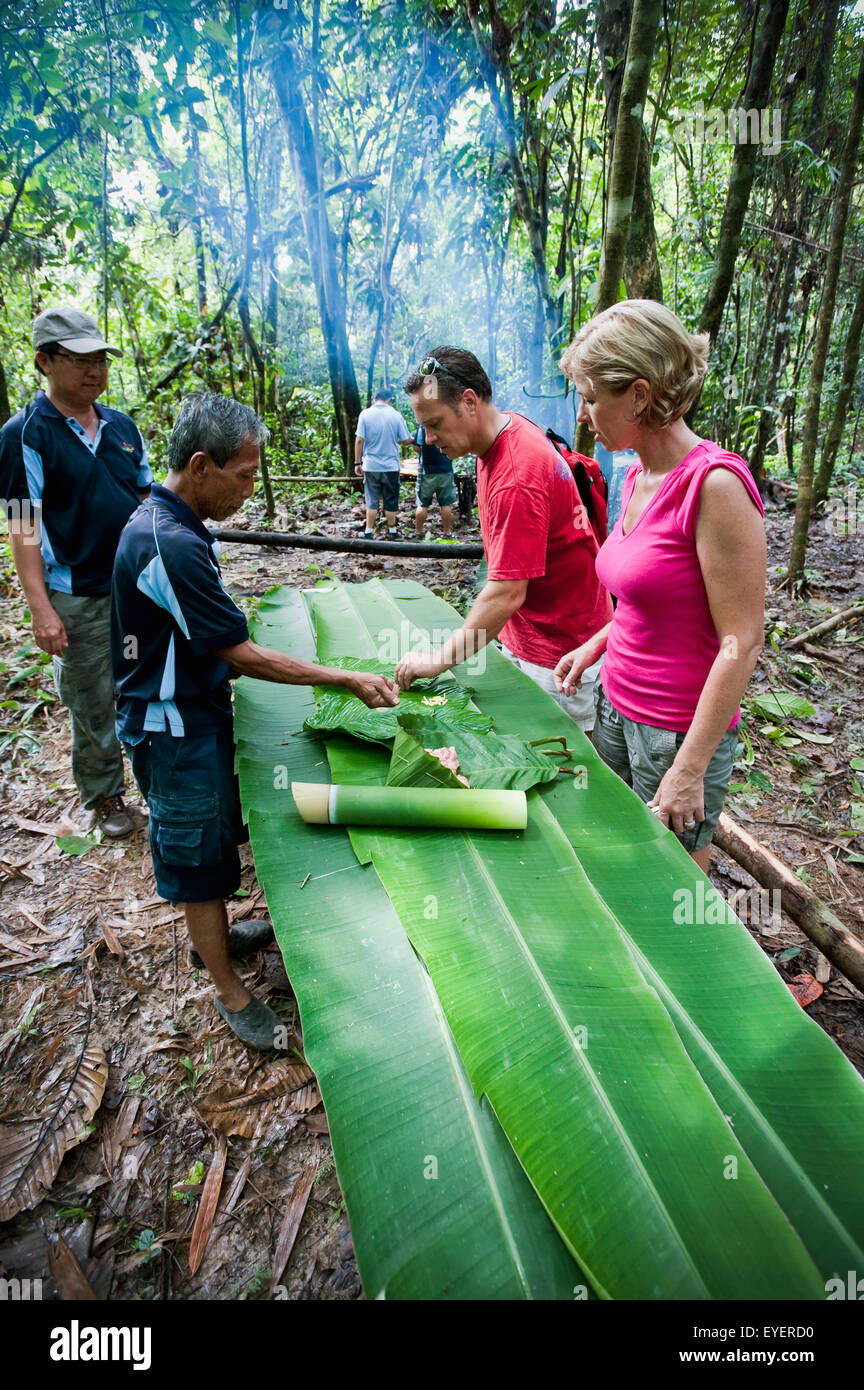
(320, 243)
(243, 295)
(197, 232)
(743, 168)
(817, 72)
(494, 58)
(629, 133)
(641, 265)
(851, 357)
(810, 431)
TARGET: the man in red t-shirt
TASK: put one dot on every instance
(542, 597)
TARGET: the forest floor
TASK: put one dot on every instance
(90, 955)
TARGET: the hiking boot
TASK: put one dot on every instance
(244, 939)
(110, 815)
(393, 533)
(256, 1025)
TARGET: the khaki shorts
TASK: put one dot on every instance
(579, 705)
(641, 755)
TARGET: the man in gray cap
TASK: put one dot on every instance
(71, 474)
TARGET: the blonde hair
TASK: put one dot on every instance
(641, 338)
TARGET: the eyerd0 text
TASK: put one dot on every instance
(77, 1343)
(722, 1334)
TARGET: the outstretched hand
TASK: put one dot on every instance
(570, 670)
(415, 667)
(375, 691)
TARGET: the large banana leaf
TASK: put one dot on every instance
(574, 1027)
(438, 1203)
(796, 1104)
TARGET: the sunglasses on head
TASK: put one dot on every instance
(431, 364)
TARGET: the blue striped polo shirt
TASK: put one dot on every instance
(170, 614)
(85, 489)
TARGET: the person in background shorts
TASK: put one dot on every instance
(435, 479)
(381, 433)
(686, 561)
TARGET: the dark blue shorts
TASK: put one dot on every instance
(195, 818)
(381, 489)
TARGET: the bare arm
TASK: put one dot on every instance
(358, 454)
(496, 603)
(570, 669)
(48, 630)
(730, 544)
(265, 664)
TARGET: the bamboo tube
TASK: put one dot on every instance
(323, 804)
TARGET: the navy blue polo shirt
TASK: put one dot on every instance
(432, 459)
(86, 488)
(170, 614)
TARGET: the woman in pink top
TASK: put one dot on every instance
(686, 561)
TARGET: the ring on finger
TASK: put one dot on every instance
(689, 825)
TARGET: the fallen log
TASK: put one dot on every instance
(856, 610)
(815, 919)
(424, 550)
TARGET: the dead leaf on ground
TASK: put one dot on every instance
(31, 1152)
(72, 1283)
(294, 1215)
(316, 1124)
(111, 939)
(289, 1087)
(207, 1206)
(42, 828)
(805, 989)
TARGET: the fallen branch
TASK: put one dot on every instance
(424, 550)
(856, 610)
(816, 920)
(819, 655)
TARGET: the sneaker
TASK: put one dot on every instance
(393, 533)
(244, 939)
(256, 1025)
(111, 816)
(367, 535)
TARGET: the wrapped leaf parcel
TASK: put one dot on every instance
(338, 711)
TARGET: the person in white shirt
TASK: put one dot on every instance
(380, 433)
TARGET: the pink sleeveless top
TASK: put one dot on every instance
(662, 642)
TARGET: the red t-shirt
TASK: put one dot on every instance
(534, 527)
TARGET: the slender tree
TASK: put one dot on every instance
(306, 165)
(834, 432)
(816, 375)
(629, 133)
(756, 95)
(641, 264)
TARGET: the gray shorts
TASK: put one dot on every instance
(641, 755)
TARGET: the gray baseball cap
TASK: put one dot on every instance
(71, 329)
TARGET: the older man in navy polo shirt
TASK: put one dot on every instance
(177, 638)
(71, 474)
